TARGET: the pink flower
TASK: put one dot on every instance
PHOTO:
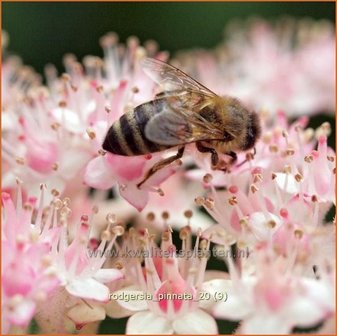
(104, 171)
(55, 273)
(28, 277)
(166, 294)
(285, 65)
(274, 299)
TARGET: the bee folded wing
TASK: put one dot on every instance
(168, 128)
(172, 127)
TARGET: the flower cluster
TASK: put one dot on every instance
(45, 274)
(288, 64)
(264, 220)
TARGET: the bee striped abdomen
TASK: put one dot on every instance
(127, 135)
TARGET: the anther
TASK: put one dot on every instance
(58, 204)
(257, 178)
(150, 216)
(273, 148)
(55, 126)
(66, 201)
(101, 152)
(111, 218)
(209, 203)
(20, 160)
(188, 214)
(232, 200)
(91, 133)
(308, 158)
(95, 209)
(207, 178)
(243, 221)
(55, 192)
(62, 104)
(285, 134)
(273, 176)
(298, 177)
(290, 151)
(100, 89)
(254, 188)
(55, 166)
(107, 109)
(65, 77)
(330, 158)
(271, 224)
(118, 230)
(199, 201)
(118, 265)
(298, 234)
(249, 156)
(160, 192)
(165, 215)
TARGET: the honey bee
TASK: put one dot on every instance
(185, 112)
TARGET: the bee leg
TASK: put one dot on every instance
(161, 164)
(233, 156)
(214, 154)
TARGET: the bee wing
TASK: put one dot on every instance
(179, 121)
(176, 125)
(172, 79)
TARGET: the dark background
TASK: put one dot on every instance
(43, 32)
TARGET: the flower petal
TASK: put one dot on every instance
(197, 322)
(136, 197)
(234, 308)
(88, 289)
(98, 175)
(262, 324)
(287, 183)
(131, 298)
(148, 323)
(305, 312)
(105, 275)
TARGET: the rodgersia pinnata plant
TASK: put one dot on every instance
(251, 247)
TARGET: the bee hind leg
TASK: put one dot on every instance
(160, 165)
